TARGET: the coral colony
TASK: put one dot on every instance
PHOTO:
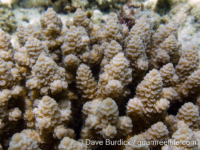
(121, 84)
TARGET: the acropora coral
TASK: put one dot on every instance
(66, 83)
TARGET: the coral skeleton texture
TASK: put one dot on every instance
(67, 83)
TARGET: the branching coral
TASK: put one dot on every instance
(79, 80)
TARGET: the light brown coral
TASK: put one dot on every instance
(191, 85)
(23, 33)
(111, 30)
(6, 51)
(76, 42)
(86, 82)
(149, 90)
(21, 140)
(71, 62)
(7, 19)
(32, 134)
(103, 120)
(15, 114)
(117, 69)
(164, 48)
(143, 73)
(170, 94)
(168, 75)
(135, 143)
(47, 76)
(188, 62)
(135, 51)
(60, 132)
(7, 75)
(184, 134)
(189, 114)
(28, 55)
(70, 144)
(111, 50)
(107, 112)
(51, 26)
(29, 117)
(125, 126)
(142, 28)
(47, 114)
(157, 131)
(80, 19)
(135, 108)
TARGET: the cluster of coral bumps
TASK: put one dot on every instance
(80, 80)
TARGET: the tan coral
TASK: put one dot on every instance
(96, 55)
(5, 95)
(70, 144)
(91, 106)
(29, 54)
(47, 114)
(189, 114)
(32, 134)
(34, 48)
(135, 52)
(164, 32)
(109, 132)
(76, 42)
(60, 132)
(170, 120)
(7, 79)
(157, 131)
(164, 52)
(86, 82)
(112, 30)
(47, 75)
(107, 112)
(167, 73)
(162, 105)
(51, 27)
(23, 33)
(142, 28)
(184, 134)
(149, 90)
(80, 19)
(170, 45)
(114, 89)
(188, 62)
(103, 121)
(29, 118)
(117, 69)
(125, 126)
(87, 73)
(135, 108)
(135, 143)
(71, 62)
(17, 91)
(170, 94)
(15, 114)
(21, 58)
(111, 50)
(191, 85)
(6, 51)
(65, 114)
(20, 140)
